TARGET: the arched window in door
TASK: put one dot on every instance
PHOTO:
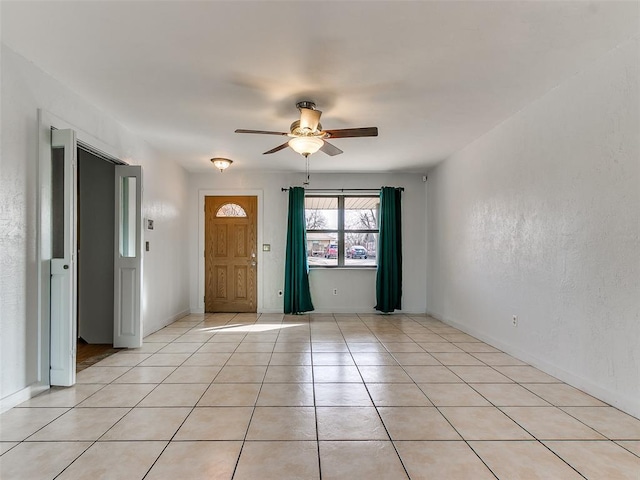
(231, 210)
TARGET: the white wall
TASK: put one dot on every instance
(166, 267)
(540, 218)
(356, 288)
(24, 89)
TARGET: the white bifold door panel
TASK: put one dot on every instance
(127, 321)
(128, 258)
(63, 262)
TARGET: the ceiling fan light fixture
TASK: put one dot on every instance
(306, 146)
(221, 163)
(307, 135)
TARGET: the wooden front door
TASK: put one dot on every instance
(230, 254)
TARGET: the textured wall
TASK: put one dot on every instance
(356, 288)
(539, 218)
(18, 337)
(25, 88)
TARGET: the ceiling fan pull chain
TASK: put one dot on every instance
(307, 161)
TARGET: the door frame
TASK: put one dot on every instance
(46, 122)
(202, 193)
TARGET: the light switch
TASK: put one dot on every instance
(146, 246)
(266, 247)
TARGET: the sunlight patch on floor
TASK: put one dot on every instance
(239, 328)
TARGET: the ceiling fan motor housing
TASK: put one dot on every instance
(306, 104)
(297, 131)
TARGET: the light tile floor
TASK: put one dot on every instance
(323, 396)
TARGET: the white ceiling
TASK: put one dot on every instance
(433, 76)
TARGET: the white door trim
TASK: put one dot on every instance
(224, 193)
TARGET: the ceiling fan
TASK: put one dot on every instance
(307, 135)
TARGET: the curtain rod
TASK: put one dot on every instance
(341, 190)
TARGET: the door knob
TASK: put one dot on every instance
(66, 267)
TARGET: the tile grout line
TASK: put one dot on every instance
(443, 416)
(187, 416)
(255, 403)
(407, 327)
(504, 413)
(315, 404)
(118, 421)
(192, 408)
(451, 424)
(395, 448)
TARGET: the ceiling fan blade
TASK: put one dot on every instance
(309, 119)
(353, 132)
(330, 149)
(277, 149)
(264, 132)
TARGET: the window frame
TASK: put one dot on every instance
(341, 230)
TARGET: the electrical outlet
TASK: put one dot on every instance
(514, 321)
(279, 293)
(335, 291)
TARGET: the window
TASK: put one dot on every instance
(342, 230)
(231, 210)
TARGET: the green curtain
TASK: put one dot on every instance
(389, 274)
(297, 296)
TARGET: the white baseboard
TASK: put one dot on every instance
(179, 315)
(626, 404)
(23, 395)
(332, 310)
(168, 321)
(200, 310)
(365, 311)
